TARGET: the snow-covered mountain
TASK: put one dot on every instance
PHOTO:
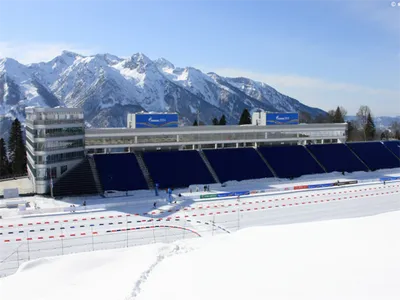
(108, 87)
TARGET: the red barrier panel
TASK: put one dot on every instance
(300, 187)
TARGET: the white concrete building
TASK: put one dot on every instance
(55, 142)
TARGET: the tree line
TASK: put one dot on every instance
(245, 118)
(361, 128)
(13, 155)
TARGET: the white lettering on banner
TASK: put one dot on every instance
(282, 118)
(156, 120)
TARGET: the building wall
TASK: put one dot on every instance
(55, 142)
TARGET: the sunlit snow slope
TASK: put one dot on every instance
(340, 259)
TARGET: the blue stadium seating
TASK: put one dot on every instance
(120, 172)
(237, 164)
(177, 168)
(375, 155)
(337, 157)
(290, 161)
(393, 146)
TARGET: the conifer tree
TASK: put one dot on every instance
(16, 149)
(222, 121)
(195, 123)
(245, 118)
(4, 165)
(338, 117)
(370, 130)
(215, 121)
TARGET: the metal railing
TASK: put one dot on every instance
(55, 122)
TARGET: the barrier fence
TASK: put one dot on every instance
(124, 230)
(294, 188)
(213, 197)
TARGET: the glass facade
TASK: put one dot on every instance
(56, 132)
(58, 145)
(54, 116)
(55, 158)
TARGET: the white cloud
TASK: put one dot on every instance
(326, 94)
(37, 52)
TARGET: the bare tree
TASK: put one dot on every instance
(362, 118)
(362, 115)
(395, 129)
(331, 115)
(343, 111)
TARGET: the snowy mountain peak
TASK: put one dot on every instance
(9, 64)
(141, 59)
(162, 63)
(71, 54)
(109, 58)
(137, 61)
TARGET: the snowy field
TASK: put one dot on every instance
(354, 259)
(131, 221)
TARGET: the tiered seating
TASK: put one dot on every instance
(337, 157)
(237, 164)
(120, 172)
(177, 168)
(290, 161)
(393, 146)
(77, 181)
(375, 155)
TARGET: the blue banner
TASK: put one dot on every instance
(233, 194)
(389, 178)
(282, 118)
(156, 120)
(313, 186)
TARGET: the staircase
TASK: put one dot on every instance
(145, 170)
(355, 154)
(266, 162)
(313, 156)
(209, 167)
(95, 174)
(79, 180)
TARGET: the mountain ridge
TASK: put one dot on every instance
(107, 87)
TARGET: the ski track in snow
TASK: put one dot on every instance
(165, 252)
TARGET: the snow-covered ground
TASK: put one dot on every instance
(131, 221)
(353, 259)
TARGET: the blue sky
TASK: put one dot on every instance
(323, 53)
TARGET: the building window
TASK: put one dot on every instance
(63, 169)
(58, 145)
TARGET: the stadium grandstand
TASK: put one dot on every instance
(65, 158)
